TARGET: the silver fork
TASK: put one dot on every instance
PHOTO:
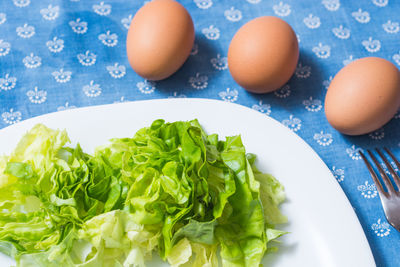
(390, 199)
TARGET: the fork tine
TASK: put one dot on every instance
(393, 157)
(396, 178)
(385, 178)
(373, 175)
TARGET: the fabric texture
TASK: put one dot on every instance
(63, 54)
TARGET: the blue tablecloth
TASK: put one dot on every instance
(62, 54)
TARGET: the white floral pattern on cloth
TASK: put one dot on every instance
(3, 18)
(298, 38)
(368, 190)
(386, 169)
(322, 51)
(87, 59)
(211, 32)
(62, 76)
(116, 71)
(102, 9)
(292, 123)
(146, 87)
(396, 57)
(348, 60)
(109, 39)
(127, 21)
(353, 152)
(21, 3)
(313, 105)
(32, 61)
(11, 117)
(26, 31)
(283, 92)
(198, 81)
(50, 13)
(121, 100)
(391, 27)
(233, 14)
(381, 228)
(323, 139)
(78, 26)
(327, 82)
(341, 32)
(177, 95)
(229, 95)
(5, 48)
(37, 96)
(282, 9)
(380, 3)
(7, 82)
(203, 4)
(371, 45)
(92, 89)
(331, 5)
(378, 134)
(219, 63)
(361, 16)
(55, 45)
(302, 72)
(312, 22)
(263, 108)
(338, 173)
(65, 107)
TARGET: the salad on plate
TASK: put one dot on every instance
(171, 189)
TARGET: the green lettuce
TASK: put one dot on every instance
(171, 188)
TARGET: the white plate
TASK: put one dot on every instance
(324, 230)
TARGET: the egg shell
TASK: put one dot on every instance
(160, 38)
(263, 54)
(363, 96)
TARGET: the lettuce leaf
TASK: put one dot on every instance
(170, 188)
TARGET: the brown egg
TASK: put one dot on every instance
(160, 38)
(363, 96)
(263, 54)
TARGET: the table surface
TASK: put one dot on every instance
(62, 54)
